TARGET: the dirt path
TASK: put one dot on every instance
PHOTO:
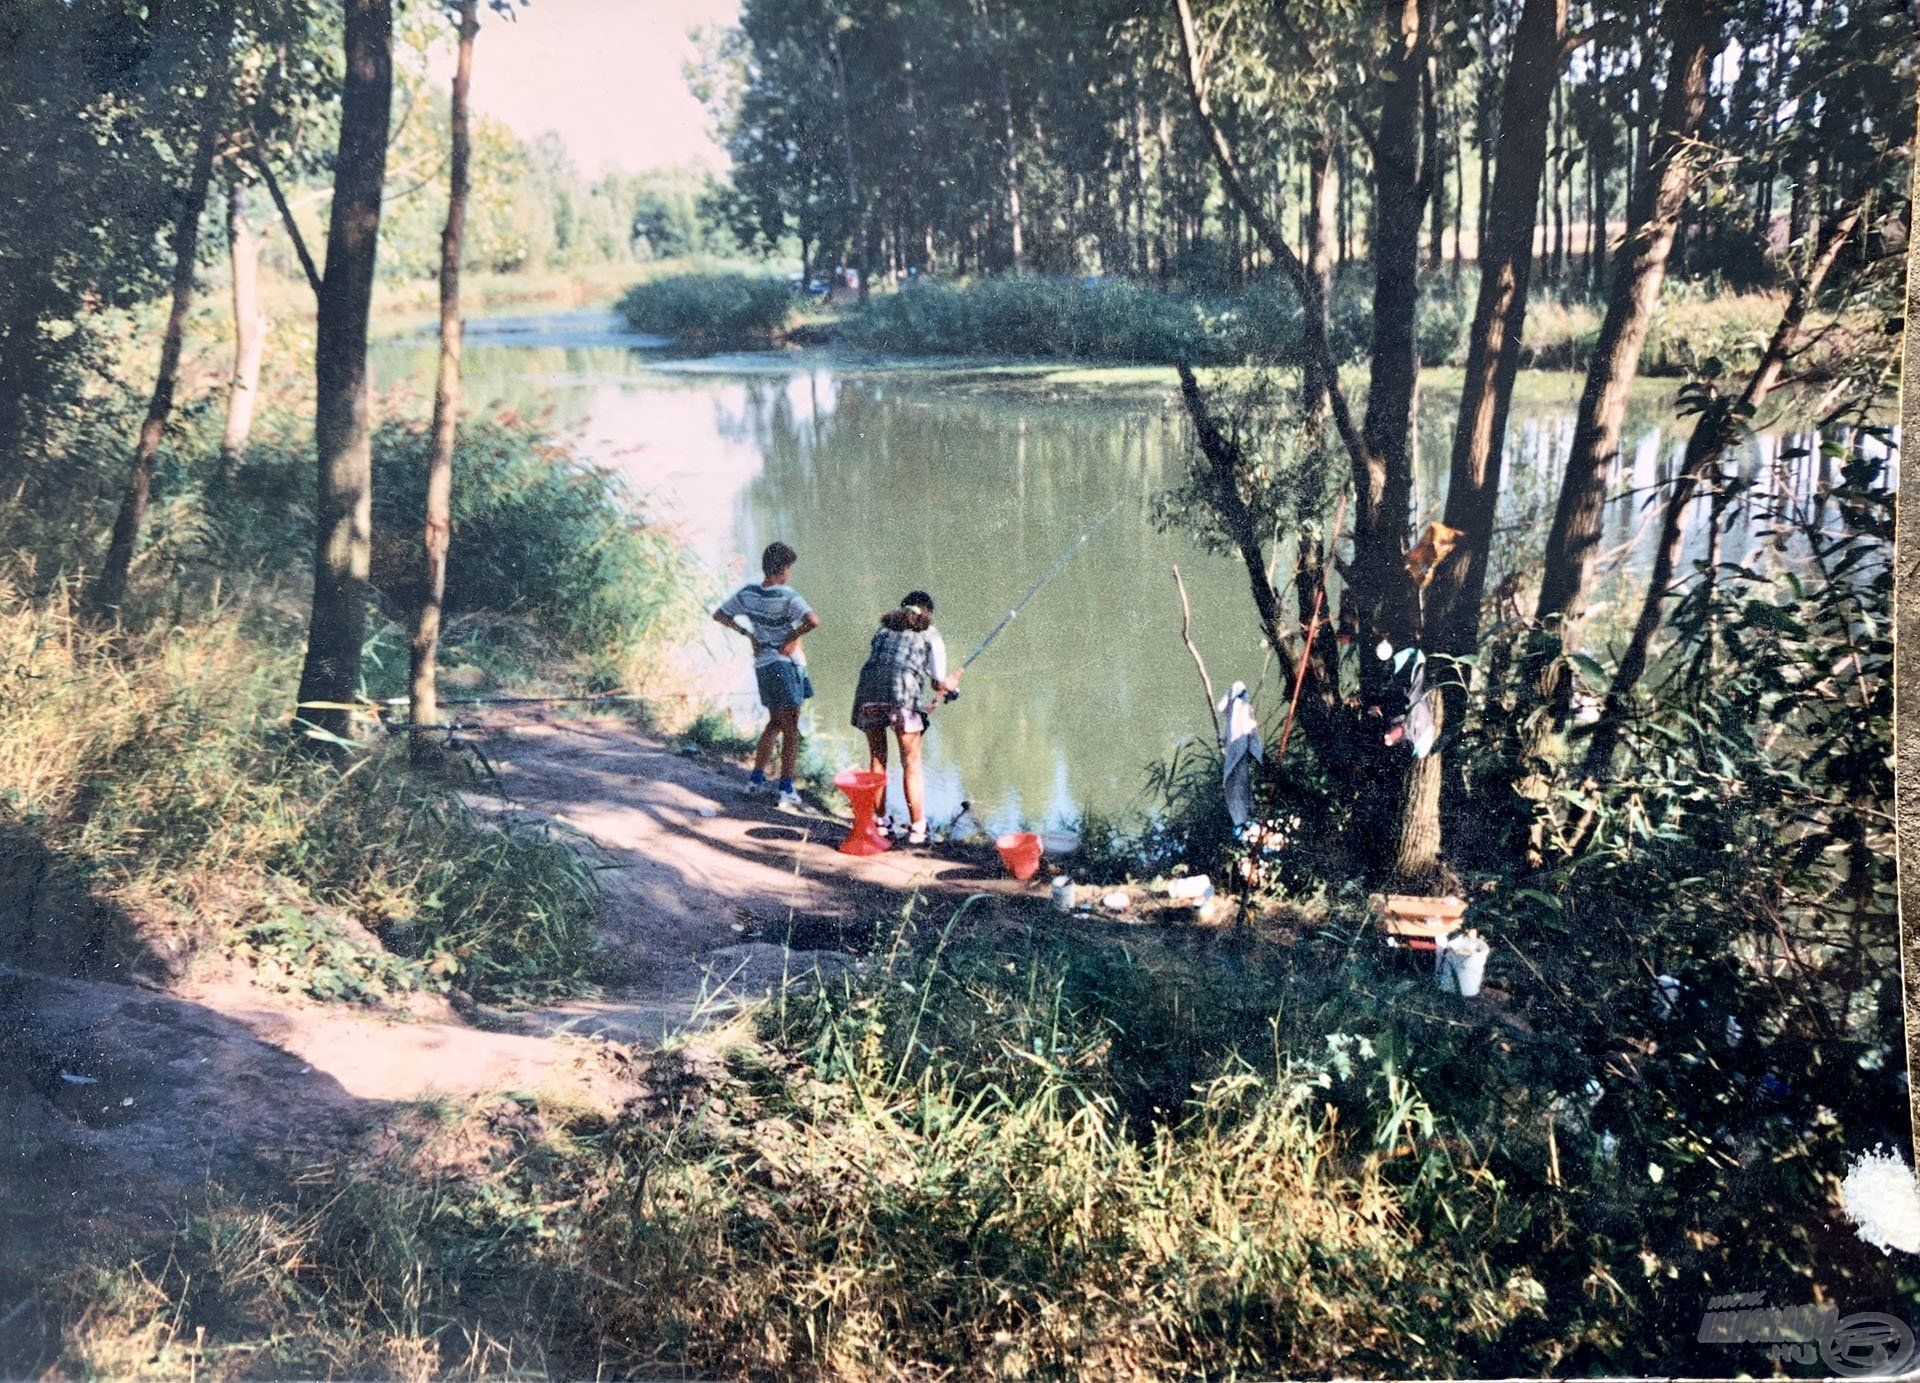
(119, 1103)
(712, 898)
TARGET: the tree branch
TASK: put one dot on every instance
(1186, 637)
(1222, 459)
(286, 216)
(1304, 283)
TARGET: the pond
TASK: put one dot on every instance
(971, 481)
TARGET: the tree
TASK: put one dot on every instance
(1398, 821)
(423, 705)
(1718, 425)
(249, 324)
(90, 118)
(1694, 32)
(110, 585)
(1493, 349)
(330, 677)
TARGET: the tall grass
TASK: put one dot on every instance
(934, 1168)
(156, 766)
(406, 1265)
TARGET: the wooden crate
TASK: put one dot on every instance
(1415, 922)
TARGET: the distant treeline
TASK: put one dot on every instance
(961, 137)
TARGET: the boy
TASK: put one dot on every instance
(778, 620)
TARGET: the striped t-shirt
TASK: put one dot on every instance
(774, 612)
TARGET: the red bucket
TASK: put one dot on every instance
(1020, 853)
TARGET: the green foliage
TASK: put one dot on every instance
(539, 534)
(932, 1166)
(713, 310)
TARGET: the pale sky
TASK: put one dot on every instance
(605, 74)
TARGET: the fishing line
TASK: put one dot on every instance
(1035, 589)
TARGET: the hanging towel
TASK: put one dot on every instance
(1242, 749)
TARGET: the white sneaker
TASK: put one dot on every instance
(917, 833)
(763, 788)
(790, 802)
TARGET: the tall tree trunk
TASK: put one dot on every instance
(1320, 235)
(110, 586)
(1434, 160)
(1009, 143)
(1136, 173)
(19, 361)
(1694, 30)
(1459, 200)
(1385, 487)
(424, 708)
(1556, 188)
(1712, 435)
(1010, 172)
(856, 218)
(1383, 597)
(343, 510)
(1493, 349)
(249, 328)
(1345, 203)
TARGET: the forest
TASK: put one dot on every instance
(353, 747)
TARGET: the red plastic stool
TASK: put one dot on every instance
(863, 789)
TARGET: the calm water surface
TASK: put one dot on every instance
(971, 483)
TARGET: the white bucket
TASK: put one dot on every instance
(1463, 964)
(1193, 890)
(1063, 894)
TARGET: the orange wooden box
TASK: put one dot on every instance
(1415, 922)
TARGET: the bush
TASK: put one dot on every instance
(714, 310)
(537, 532)
(1079, 319)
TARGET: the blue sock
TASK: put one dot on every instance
(786, 785)
(758, 778)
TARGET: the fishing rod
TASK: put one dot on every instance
(1034, 589)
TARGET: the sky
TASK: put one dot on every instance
(604, 74)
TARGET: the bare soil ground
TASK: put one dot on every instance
(121, 1101)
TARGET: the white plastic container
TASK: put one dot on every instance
(1463, 965)
(1063, 894)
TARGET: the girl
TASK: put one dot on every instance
(904, 677)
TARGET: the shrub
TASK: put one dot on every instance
(714, 310)
(537, 532)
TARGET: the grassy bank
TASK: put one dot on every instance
(1036, 1152)
(148, 765)
(1123, 322)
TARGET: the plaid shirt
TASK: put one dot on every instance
(902, 666)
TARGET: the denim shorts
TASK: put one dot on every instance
(783, 685)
